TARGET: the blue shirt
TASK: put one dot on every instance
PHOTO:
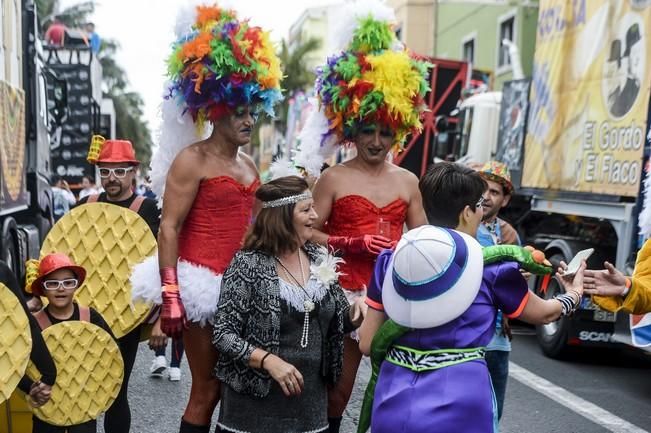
(95, 42)
(486, 238)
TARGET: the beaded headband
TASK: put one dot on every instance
(287, 200)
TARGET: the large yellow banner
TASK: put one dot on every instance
(589, 96)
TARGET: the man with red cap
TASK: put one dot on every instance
(117, 165)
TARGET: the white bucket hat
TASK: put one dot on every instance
(432, 278)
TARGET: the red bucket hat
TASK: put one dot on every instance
(117, 151)
(54, 262)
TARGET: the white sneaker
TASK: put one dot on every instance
(158, 367)
(175, 374)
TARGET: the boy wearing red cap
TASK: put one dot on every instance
(58, 279)
(117, 166)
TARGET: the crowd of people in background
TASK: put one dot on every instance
(65, 197)
(58, 34)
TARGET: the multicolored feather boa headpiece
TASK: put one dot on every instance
(374, 80)
(223, 63)
(373, 83)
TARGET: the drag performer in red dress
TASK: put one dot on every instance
(371, 97)
(210, 187)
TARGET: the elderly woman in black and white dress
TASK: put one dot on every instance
(281, 320)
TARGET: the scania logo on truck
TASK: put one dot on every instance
(594, 336)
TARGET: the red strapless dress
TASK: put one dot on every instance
(354, 215)
(214, 228)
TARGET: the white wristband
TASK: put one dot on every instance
(627, 288)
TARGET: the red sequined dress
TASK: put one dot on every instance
(355, 215)
(214, 228)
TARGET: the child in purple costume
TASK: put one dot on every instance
(459, 397)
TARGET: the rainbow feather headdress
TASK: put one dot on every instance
(223, 63)
(218, 63)
(374, 80)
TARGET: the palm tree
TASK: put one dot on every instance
(297, 77)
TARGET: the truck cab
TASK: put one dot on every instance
(32, 120)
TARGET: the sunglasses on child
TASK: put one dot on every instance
(68, 284)
(480, 203)
(119, 172)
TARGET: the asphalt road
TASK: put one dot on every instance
(618, 383)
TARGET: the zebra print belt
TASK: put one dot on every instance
(425, 360)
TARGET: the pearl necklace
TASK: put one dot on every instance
(308, 304)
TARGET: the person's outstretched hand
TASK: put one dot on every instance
(606, 282)
(572, 283)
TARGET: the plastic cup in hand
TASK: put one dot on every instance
(384, 228)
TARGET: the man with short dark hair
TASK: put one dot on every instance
(93, 38)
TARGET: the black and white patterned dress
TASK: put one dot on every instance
(305, 413)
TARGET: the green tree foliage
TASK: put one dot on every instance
(296, 75)
(128, 104)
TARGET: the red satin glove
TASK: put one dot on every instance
(366, 244)
(172, 313)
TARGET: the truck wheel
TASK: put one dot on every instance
(553, 336)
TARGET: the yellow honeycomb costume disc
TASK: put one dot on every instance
(107, 240)
(15, 341)
(89, 373)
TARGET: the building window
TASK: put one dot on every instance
(469, 51)
(506, 32)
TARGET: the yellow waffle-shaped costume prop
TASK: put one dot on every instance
(15, 342)
(89, 373)
(107, 240)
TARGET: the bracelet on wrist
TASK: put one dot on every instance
(262, 360)
(569, 303)
(170, 288)
(627, 287)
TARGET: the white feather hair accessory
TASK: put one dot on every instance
(314, 147)
(350, 15)
(283, 167)
(176, 132)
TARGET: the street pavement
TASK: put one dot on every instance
(617, 382)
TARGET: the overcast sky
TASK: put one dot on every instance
(144, 29)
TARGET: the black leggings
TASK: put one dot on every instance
(118, 417)
(40, 426)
